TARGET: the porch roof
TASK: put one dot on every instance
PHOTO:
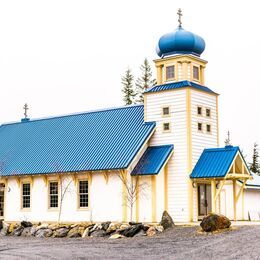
(216, 162)
(153, 159)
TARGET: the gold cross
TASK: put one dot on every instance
(179, 13)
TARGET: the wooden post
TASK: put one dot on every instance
(234, 200)
(213, 195)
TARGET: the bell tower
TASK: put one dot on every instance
(186, 114)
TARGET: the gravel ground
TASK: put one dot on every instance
(178, 243)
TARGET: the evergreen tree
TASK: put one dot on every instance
(254, 166)
(227, 140)
(145, 81)
(128, 88)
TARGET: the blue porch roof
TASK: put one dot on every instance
(178, 85)
(153, 160)
(99, 140)
(215, 162)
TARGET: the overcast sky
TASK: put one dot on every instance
(68, 56)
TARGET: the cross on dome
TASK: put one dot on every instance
(179, 13)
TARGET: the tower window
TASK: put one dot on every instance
(196, 74)
(170, 72)
(166, 127)
(165, 111)
(200, 127)
(199, 111)
(208, 112)
(208, 128)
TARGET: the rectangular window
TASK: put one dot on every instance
(170, 72)
(83, 193)
(199, 111)
(54, 194)
(26, 195)
(208, 128)
(166, 111)
(200, 127)
(208, 112)
(166, 127)
(196, 74)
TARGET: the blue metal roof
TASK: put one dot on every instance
(98, 140)
(178, 85)
(153, 160)
(215, 162)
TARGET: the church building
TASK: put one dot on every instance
(131, 162)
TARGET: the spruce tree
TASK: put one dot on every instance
(254, 166)
(145, 81)
(128, 88)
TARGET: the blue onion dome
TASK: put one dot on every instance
(180, 42)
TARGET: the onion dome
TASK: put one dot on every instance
(180, 42)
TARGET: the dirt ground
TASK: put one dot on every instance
(178, 243)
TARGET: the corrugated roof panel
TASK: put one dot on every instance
(98, 140)
(153, 160)
(178, 85)
(215, 162)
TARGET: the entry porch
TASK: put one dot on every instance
(219, 178)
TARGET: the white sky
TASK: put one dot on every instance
(68, 56)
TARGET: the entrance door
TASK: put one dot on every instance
(2, 200)
(204, 199)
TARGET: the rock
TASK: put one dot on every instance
(116, 236)
(18, 231)
(26, 232)
(141, 233)
(44, 232)
(132, 223)
(159, 228)
(81, 230)
(5, 229)
(151, 231)
(54, 226)
(74, 225)
(146, 227)
(98, 233)
(131, 231)
(113, 227)
(61, 232)
(213, 222)
(85, 233)
(124, 226)
(33, 230)
(166, 220)
(105, 225)
(42, 226)
(1, 223)
(26, 224)
(74, 232)
(12, 227)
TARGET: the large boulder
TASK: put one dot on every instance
(213, 222)
(166, 220)
(105, 225)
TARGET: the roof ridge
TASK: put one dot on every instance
(73, 114)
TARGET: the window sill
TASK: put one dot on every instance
(83, 209)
